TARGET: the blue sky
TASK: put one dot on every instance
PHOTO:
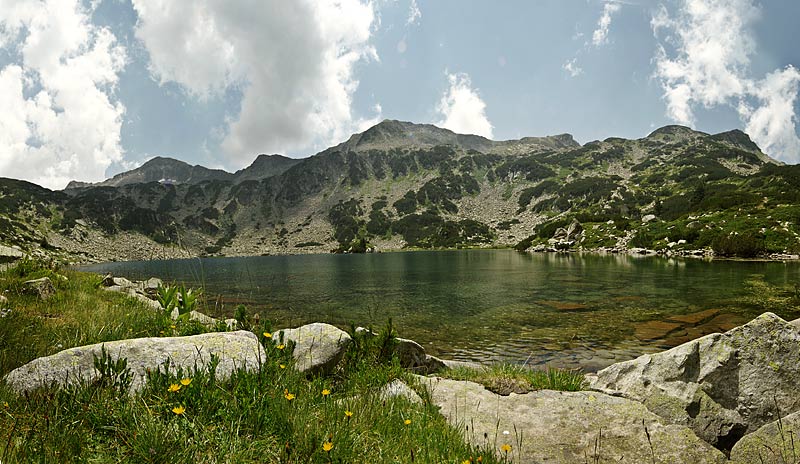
(89, 88)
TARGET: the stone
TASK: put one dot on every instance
(151, 285)
(695, 318)
(43, 288)
(648, 218)
(566, 427)
(155, 305)
(723, 386)
(795, 323)
(123, 282)
(777, 442)
(411, 354)
(3, 300)
(398, 389)
(234, 350)
(654, 330)
(8, 254)
(318, 347)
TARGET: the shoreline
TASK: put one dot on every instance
(705, 255)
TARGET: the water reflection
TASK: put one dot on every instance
(564, 309)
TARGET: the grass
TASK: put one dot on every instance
(271, 414)
(504, 379)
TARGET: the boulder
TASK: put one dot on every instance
(723, 386)
(411, 354)
(8, 254)
(43, 288)
(234, 350)
(151, 285)
(318, 347)
(648, 218)
(775, 443)
(3, 300)
(155, 305)
(398, 389)
(566, 427)
(796, 324)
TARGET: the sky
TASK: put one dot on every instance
(91, 88)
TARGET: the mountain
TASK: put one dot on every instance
(400, 184)
(265, 166)
(159, 169)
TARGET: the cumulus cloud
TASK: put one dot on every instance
(600, 34)
(292, 62)
(572, 68)
(772, 125)
(703, 60)
(60, 119)
(462, 108)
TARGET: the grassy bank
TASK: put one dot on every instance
(273, 414)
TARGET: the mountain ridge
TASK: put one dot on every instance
(403, 185)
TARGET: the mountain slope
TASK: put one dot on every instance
(400, 184)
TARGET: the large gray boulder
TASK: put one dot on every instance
(318, 347)
(723, 386)
(235, 350)
(775, 443)
(566, 427)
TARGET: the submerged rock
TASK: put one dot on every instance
(318, 347)
(723, 386)
(234, 350)
(566, 427)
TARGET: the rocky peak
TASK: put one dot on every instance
(737, 139)
(675, 134)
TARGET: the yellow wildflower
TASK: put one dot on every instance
(287, 395)
(185, 382)
(179, 410)
(327, 446)
(174, 387)
(325, 392)
(5, 404)
(267, 335)
(505, 448)
(407, 421)
(281, 346)
(282, 366)
(348, 414)
(466, 461)
(480, 459)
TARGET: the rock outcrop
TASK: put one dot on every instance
(567, 427)
(723, 386)
(234, 350)
(318, 347)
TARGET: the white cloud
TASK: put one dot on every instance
(600, 35)
(414, 13)
(704, 60)
(462, 108)
(292, 61)
(572, 68)
(60, 121)
(772, 125)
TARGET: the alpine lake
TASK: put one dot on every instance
(564, 310)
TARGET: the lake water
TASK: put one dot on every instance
(566, 310)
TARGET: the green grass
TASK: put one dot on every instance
(504, 379)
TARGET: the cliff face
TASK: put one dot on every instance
(400, 184)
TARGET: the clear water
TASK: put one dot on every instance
(569, 310)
